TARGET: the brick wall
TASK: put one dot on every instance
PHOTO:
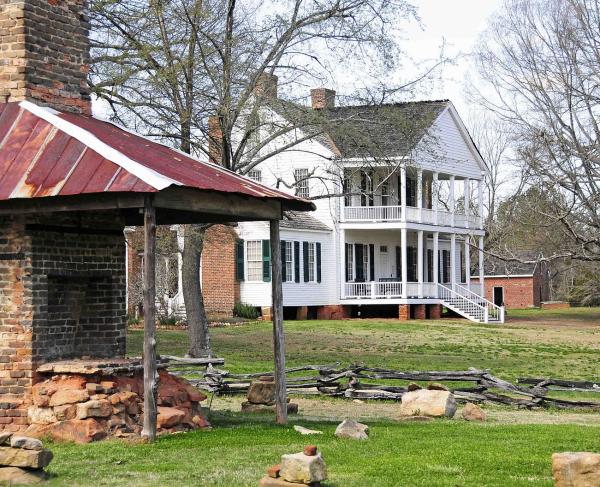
(62, 295)
(518, 291)
(219, 286)
(221, 289)
(45, 53)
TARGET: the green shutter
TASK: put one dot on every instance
(318, 249)
(239, 260)
(297, 261)
(305, 259)
(283, 258)
(266, 255)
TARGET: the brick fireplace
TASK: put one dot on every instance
(62, 296)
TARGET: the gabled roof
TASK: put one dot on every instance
(46, 153)
(384, 130)
(388, 130)
(494, 266)
(294, 220)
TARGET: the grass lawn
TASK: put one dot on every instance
(512, 449)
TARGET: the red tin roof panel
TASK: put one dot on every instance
(47, 153)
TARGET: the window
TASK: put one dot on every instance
(385, 193)
(383, 249)
(254, 259)
(301, 178)
(289, 261)
(366, 262)
(311, 262)
(349, 262)
(255, 175)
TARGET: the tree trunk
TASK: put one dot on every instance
(192, 291)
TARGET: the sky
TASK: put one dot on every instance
(458, 23)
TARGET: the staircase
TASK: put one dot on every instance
(470, 305)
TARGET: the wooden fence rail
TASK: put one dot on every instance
(361, 382)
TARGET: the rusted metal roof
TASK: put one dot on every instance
(44, 153)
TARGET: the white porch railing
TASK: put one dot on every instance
(373, 290)
(416, 215)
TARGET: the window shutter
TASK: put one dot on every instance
(398, 263)
(348, 249)
(297, 261)
(283, 258)
(305, 259)
(358, 265)
(239, 260)
(372, 261)
(318, 247)
(266, 255)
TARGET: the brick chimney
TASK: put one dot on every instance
(215, 140)
(322, 98)
(266, 85)
(44, 53)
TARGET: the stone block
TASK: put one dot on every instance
(17, 457)
(169, 417)
(94, 409)
(262, 392)
(25, 442)
(39, 415)
(76, 430)
(303, 469)
(21, 476)
(352, 429)
(580, 469)
(69, 396)
(472, 412)
(428, 403)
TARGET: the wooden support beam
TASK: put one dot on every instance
(278, 336)
(150, 374)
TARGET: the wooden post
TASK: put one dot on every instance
(150, 374)
(278, 337)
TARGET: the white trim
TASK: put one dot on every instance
(149, 176)
(503, 276)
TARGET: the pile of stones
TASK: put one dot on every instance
(22, 460)
(84, 408)
(261, 397)
(305, 468)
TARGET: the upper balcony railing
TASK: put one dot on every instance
(378, 214)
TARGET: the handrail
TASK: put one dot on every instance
(446, 291)
(497, 311)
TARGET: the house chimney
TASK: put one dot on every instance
(215, 140)
(44, 53)
(322, 98)
(266, 86)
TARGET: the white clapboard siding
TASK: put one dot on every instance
(294, 293)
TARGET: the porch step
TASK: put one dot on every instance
(470, 305)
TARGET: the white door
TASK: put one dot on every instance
(385, 269)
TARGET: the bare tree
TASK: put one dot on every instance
(541, 62)
(164, 67)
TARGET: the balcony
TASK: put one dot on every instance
(378, 214)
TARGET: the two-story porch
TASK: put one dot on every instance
(406, 241)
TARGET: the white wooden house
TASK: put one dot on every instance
(404, 232)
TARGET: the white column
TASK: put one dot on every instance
(481, 267)
(452, 202)
(420, 261)
(452, 260)
(420, 192)
(436, 257)
(434, 196)
(404, 260)
(480, 201)
(467, 199)
(402, 191)
(342, 263)
(467, 261)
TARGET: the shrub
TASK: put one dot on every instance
(165, 320)
(244, 310)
